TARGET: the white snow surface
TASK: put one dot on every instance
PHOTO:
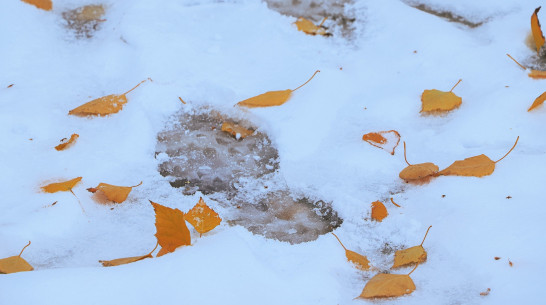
(216, 53)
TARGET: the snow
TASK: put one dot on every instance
(216, 53)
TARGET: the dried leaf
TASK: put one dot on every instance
(89, 13)
(203, 218)
(14, 264)
(308, 27)
(66, 144)
(359, 260)
(387, 140)
(539, 101)
(127, 260)
(271, 98)
(65, 186)
(436, 101)
(379, 211)
(411, 256)
(418, 171)
(103, 106)
(171, 228)
(239, 132)
(46, 5)
(388, 285)
(477, 166)
(538, 37)
(114, 193)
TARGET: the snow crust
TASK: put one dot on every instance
(216, 53)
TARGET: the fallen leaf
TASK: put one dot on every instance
(385, 285)
(65, 186)
(239, 132)
(271, 98)
(203, 218)
(536, 74)
(436, 101)
(538, 101)
(410, 256)
(46, 5)
(89, 13)
(105, 105)
(127, 260)
(360, 261)
(485, 292)
(114, 193)
(66, 144)
(14, 264)
(308, 27)
(171, 229)
(418, 172)
(379, 211)
(538, 37)
(497, 258)
(387, 140)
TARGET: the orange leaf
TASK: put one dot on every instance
(203, 218)
(308, 27)
(46, 5)
(14, 264)
(171, 228)
(271, 98)
(66, 144)
(535, 29)
(417, 172)
(126, 260)
(379, 211)
(411, 256)
(114, 193)
(65, 186)
(359, 260)
(477, 166)
(436, 101)
(239, 132)
(105, 105)
(538, 101)
(388, 285)
(387, 140)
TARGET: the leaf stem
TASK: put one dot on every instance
(405, 154)
(414, 269)
(137, 85)
(395, 203)
(509, 150)
(81, 206)
(339, 241)
(150, 254)
(425, 236)
(516, 61)
(307, 80)
(322, 22)
(137, 184)
(24, 248)
(460, 80)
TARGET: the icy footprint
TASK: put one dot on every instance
(241, 174)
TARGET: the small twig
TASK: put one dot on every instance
(182, 100)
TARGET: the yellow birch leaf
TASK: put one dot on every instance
(46, 5)
(411, 256)
(538, 101)
(359, 260)
(536, 30)
(271, 98)
(66, 144)
(436, 101)
(387, 140)
(171, 229)
(417, 172)
(239, 132)
(308, 27)
(203, 218)
(14, 264)
(388, 285)
(379, 211)
(114, 193)
(105, 105)
(127, 260)
(65, 186)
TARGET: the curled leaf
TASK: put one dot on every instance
(387, 140)
(171, 229)
(14, 264)
(66, 144)
(538, 37)
(46, 5)
(359, 260)
(417, 172)
(271, 98)
(538, 101)
(379, 211)
(239, 132)
(106, 105)
(65, 186)
(411, 256)
(308, 27)
(127, 260)
(117, 194)
(203, 218)
(436, 101)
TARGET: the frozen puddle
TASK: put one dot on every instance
(242, 174)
